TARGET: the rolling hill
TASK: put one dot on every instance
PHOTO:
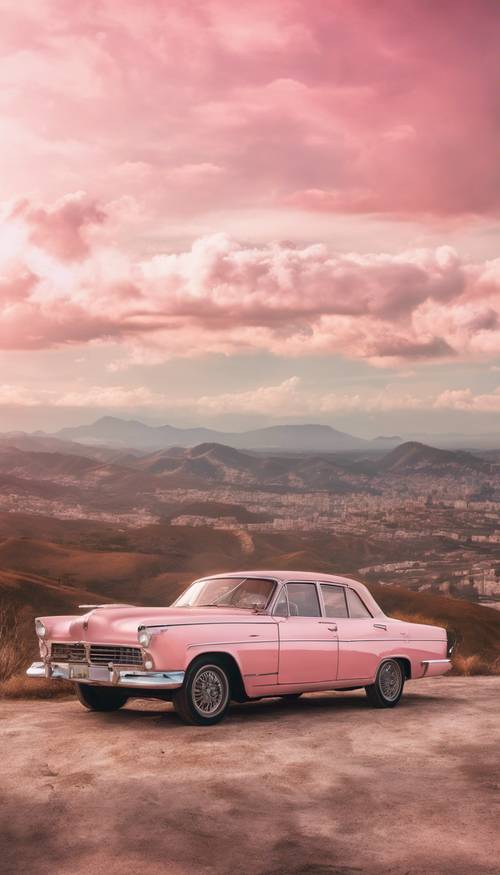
(212, 462)
(413, 457)
(119, 484)
(42, 443)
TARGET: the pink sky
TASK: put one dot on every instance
(306, 180)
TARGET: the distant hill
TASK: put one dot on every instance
(39, 443)
(117, 483)
(413, 457)
(112, 431)
(70, 469)
(457, 441)
(217, 463)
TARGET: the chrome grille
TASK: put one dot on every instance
(101, 654)
(68, 652)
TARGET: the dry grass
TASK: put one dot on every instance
(21, 687)
(470, 657)
(17, 644)
(475, 665)
(18, 649)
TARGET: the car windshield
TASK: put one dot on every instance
(252, 593)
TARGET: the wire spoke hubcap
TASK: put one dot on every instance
(210, 691)
(390, 680)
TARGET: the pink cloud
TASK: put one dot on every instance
(61, 229)
(224, 296)
(339, 107)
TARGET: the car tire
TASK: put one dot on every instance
(100, 698)
(388, 687)
(205, 694)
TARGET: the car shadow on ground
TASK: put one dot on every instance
(265, 710)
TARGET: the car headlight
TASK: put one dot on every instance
(40, 629)
(144, 637)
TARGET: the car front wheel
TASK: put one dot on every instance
(388, 687)
(204, 697)
(100, 698)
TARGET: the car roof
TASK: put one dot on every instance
(292, 575)
(287, 575)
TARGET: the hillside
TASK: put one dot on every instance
(152, 565)
(52, 474)
(217, 463)
(129, 479)
(40, 443)
(414, 457)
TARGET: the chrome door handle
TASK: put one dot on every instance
(332, 628)
(380, 626)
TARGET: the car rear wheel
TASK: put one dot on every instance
(204, 697)
(100, 698)
(388, 687)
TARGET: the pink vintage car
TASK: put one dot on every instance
(240, 636)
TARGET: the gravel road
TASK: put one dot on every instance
(323, 786)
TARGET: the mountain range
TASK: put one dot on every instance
(111, 431)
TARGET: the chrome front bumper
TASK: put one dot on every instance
(102, 675)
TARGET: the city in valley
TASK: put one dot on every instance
(414, 515)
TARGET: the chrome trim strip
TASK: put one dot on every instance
(307, 684)
(225, 643)
(330, 639)
(99, 674)
(386, 640)
(211, 622)
(426, 663)
(434, 661)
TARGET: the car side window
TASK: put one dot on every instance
(281, 606)
(357, 610)
(334, 600)
(303, 600)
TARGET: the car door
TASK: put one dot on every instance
(308, 642)
(364, 640)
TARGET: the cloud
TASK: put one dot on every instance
(293, 398)
(105, 397)
(285, 396)
(61, 229)
(464, 399)
(340, 107)
(219, 295)
(290, 398)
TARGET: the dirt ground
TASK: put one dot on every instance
(323, 786)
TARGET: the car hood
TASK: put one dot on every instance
(119, 624)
